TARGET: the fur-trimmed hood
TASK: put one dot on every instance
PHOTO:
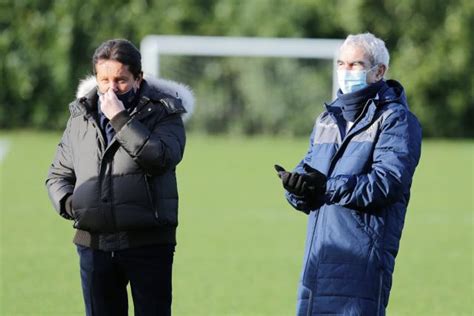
(171, 88)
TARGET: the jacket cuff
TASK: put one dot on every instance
(298, 202)
(66, 207)
(338, 186)
(119, 120)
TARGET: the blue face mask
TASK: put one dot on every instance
(352, 80)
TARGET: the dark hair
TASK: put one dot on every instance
(120, 50)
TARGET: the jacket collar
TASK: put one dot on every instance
(176, 97)
(391, 92)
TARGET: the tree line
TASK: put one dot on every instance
(46, 48)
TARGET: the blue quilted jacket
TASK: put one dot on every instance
(353, 238)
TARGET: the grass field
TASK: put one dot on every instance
(240, 244)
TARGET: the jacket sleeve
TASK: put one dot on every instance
(395, 158)
(61, 176)
(154, 150)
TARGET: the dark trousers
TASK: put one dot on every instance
(105, 275)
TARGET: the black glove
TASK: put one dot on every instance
(292, 182)
(308, 187)
(312, 182)
(315, 181)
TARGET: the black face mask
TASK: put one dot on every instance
(127, 98)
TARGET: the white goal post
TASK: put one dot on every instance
(152, 46)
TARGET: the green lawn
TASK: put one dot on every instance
(240, 244)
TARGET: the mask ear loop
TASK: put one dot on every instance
(382, 72)
(377, 76)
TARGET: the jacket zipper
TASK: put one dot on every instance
(309, 310)
(102, 173)
(346, 138)
(331, 167)
(112, 193)
(150, 196)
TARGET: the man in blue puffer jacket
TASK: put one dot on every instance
(354, 183)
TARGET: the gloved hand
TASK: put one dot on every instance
(315, 181)
(312, 182)
(292, 182)
(308, 187)
(67, 204)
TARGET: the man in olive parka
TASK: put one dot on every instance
(114, 176)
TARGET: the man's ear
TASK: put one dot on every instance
(139, 79)
(381, 70)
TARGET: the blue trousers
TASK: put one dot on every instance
(105, 275)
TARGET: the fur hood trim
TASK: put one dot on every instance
(172, 88)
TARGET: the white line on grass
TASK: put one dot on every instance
(4, 144)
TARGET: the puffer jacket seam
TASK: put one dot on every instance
(348, 296)
(379, 299)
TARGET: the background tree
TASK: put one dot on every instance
(46, 48)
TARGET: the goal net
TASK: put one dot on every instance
(272, 86)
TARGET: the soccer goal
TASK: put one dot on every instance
(152, 46)
(248, 85)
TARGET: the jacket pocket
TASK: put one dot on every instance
(362, 220)
(164, 207)
(149, 192)
(92, 220)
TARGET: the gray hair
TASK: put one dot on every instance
(375, 47)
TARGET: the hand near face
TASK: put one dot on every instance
(110, 105)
